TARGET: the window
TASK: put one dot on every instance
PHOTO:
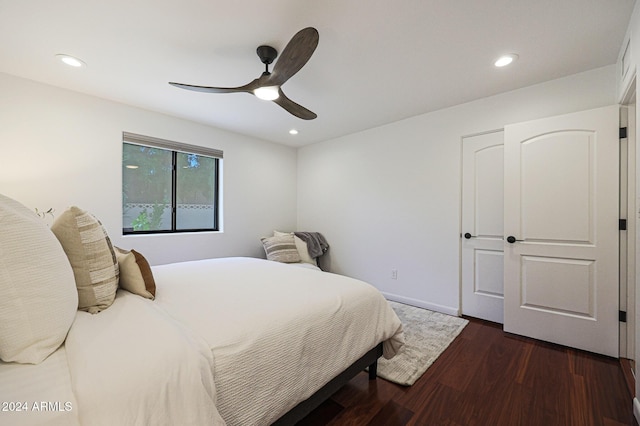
(168, 186)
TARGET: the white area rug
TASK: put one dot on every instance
(427, 335)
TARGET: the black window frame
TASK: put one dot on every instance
(175, 148)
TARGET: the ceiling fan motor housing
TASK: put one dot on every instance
(266, 54)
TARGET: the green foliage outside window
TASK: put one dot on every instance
(149, 221)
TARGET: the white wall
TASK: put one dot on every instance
(60, 148)
(389, 198)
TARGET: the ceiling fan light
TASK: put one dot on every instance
(268, 93)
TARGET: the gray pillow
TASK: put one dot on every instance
(281, 249)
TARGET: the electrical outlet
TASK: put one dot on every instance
(394, 274)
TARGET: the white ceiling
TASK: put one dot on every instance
(377, 61)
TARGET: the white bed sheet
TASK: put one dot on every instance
(132, 364)
(277, 333)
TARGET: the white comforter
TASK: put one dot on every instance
(277, 333)
(238, 339)
(38, 394)
(132, 364)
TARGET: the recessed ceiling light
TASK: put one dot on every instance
(70, 60)
(505, 60)
(293, 132)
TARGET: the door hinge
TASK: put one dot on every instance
(622, 316)
(622, 224)
(623, 132)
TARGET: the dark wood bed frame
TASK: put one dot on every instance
(297, 413)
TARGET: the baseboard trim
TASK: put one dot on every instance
(627, 371)
(422, 304)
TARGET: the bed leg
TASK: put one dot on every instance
(373, 370)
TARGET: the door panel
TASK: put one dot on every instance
(561, 207)
(489, 188)
(562, 286)
(489, 265)
(482, 217)
(556, 205)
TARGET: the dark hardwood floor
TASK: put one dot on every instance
(488, 377)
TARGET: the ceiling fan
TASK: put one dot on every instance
(268, 86)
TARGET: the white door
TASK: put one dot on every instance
(482, 226)
(561, 221)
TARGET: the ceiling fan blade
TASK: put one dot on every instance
(206, 89)
(294, 108)
(295, 55)
(249, 87)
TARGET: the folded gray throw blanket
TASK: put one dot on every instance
(316, 244)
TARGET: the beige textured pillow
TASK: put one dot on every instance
(38, 297)
(301, 246)
(135, 273)
(92, 258)
(281, 249)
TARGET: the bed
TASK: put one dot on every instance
(235, 341)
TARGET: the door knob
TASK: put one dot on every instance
(511, 239)
(468, 236)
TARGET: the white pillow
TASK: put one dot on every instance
(301, 246)
(38, 300)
